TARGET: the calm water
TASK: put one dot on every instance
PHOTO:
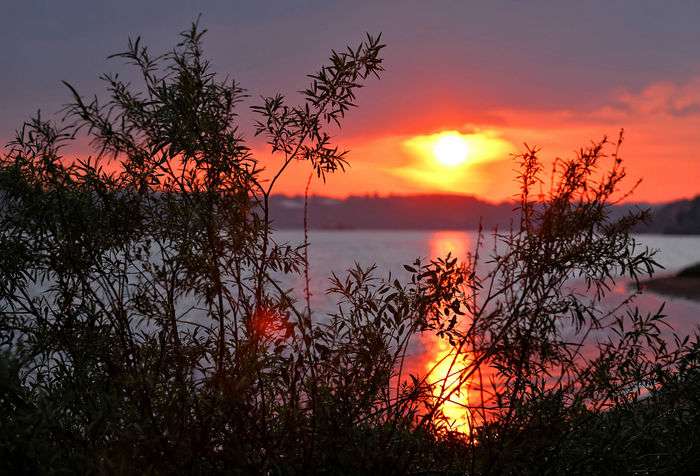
(336, 251)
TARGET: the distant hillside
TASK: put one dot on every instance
(424, 212)
(681, 217)
(393, 212)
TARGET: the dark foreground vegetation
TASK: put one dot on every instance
(142, 331)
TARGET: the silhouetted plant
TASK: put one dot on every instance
(548, 359)
(143, 330)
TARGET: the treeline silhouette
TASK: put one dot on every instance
(448, 211)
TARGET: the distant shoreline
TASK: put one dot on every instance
(675, 286)
(456, 212)
(443, 228)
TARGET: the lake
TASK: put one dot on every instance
(336, 251)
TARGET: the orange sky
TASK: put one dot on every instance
(392, 153)
(661, 139)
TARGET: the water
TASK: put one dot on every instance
(336, 251)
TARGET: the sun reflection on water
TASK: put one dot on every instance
(445, 371)
(440, 363)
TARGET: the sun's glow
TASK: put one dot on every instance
(451, 149)
(454, 161)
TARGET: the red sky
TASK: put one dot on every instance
(660, 147)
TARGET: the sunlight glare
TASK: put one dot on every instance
(451, 149)
(454, 161)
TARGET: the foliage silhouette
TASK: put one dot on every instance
(143, 330)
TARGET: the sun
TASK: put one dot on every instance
(453, 161)
(451, 150)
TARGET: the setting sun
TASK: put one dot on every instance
(454, 161)
(451, 150)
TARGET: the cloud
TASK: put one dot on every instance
(664, 98)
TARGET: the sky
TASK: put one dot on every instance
(490, 76)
